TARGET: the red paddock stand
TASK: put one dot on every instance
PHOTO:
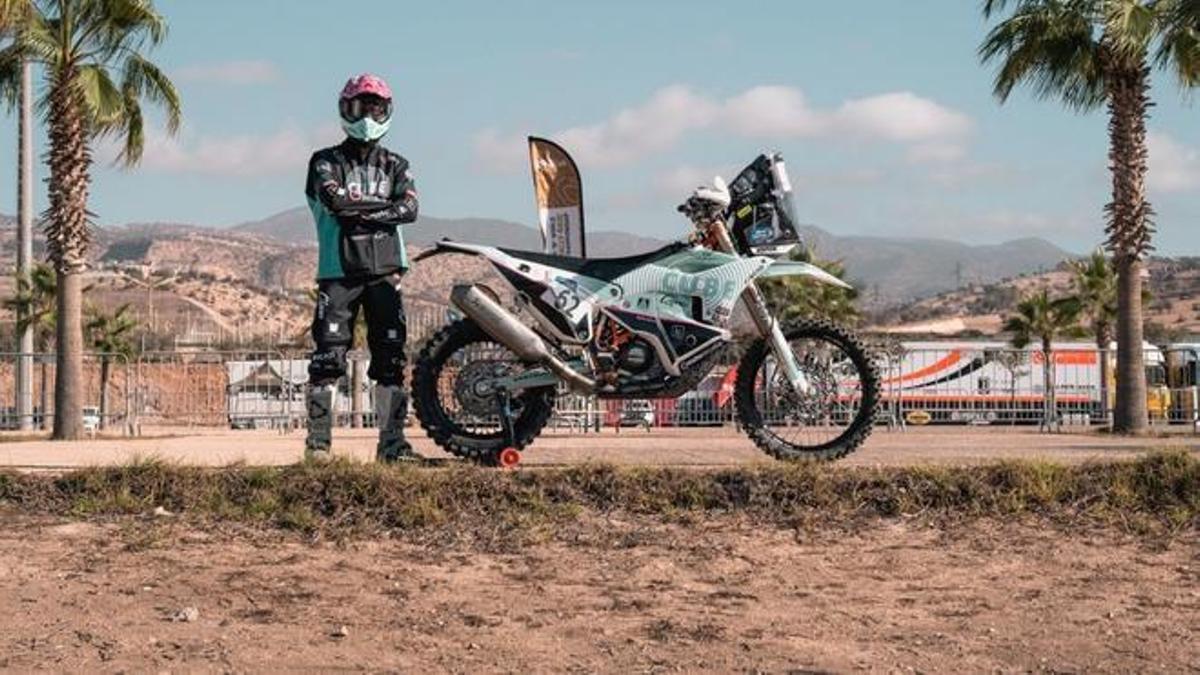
(508, 458)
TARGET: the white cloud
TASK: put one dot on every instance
(501, 153)
(634, 132)
(933, 132)
(1174, 167)
(901, 117)
(242, 73)
(284, 151)
(772, 111)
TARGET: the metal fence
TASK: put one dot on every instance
(921, 383)
(1073, 385)
(106, 387)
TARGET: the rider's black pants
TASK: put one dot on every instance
(338, 302)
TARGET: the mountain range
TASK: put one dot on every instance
(255, 277)
(889, 270)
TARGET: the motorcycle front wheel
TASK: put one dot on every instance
(832, 418)
(456, 405)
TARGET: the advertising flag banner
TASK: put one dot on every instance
(559, 192)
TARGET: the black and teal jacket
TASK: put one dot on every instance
(359, 194)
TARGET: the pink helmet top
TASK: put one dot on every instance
(366, 84)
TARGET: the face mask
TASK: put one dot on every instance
(366, 129)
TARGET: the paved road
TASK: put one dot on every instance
(683, 447)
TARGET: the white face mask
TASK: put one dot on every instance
(366, 129)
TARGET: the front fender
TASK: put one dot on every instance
(789, 268)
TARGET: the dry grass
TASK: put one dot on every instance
(1159, 495)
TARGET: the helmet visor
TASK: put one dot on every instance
(367, 105)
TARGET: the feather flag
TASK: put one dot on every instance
(559, 192)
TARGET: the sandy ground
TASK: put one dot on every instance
(667, 446)
(719, 597)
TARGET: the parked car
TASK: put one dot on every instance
(637, 413)
(91, 419)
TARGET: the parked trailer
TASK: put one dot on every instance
(970, 382)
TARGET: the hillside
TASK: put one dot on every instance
(1173, 309)
(888, 269)
(255, 279)
(296, 225)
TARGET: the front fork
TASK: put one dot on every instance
(768, 326)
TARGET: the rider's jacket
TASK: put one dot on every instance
(359, 193)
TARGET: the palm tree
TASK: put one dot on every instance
(1095, 285)
(798, 297)
(110, 335)
(1089, 53)
(1038, 317)
(96, 80)
(34, 306)
(13, 14)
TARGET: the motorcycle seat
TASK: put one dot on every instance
(606, 269)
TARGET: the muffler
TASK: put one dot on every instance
(508, 330)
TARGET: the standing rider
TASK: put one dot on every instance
(359, 192)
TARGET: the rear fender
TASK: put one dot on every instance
(789, 268)
(446, 246)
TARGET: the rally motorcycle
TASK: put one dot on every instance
(649, 326)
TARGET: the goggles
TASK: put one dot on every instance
(360, 107)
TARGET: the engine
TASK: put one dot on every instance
(623, 358)
(636, 357)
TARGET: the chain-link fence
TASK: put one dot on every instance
(921, 383)
(106, 387)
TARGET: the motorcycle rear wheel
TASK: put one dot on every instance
(827, 423)
(460, 423)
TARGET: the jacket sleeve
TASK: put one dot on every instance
(402, 209)
(325, 186)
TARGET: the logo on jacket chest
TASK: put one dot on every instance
(380, 188)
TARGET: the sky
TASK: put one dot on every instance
(882, 110)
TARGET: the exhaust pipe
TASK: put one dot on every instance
(508, 330)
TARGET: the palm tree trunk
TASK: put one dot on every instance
(1131, 415)
(1103, 344)
(67, 239)
(25, 243)
(104, 373)
(44, 395)
(1129, 230)
(68, 381)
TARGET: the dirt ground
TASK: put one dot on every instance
(622, 597)
(665, 446)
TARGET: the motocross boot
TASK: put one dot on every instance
(391, 409)
(320, 400)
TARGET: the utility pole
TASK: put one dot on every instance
(25, 243)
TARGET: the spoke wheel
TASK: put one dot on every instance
(456, 400)
(832, 417)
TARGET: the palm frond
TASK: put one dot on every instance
(1038, 316)
(1179, 48)
(1130, 26)
(134, 130)
(105, 104)
(13, 13)
(1053, 47)
(146, 80)
(10, 76)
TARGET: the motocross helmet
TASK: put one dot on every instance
(365, 106)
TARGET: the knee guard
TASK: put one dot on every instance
(327, 364)
(320, 401)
